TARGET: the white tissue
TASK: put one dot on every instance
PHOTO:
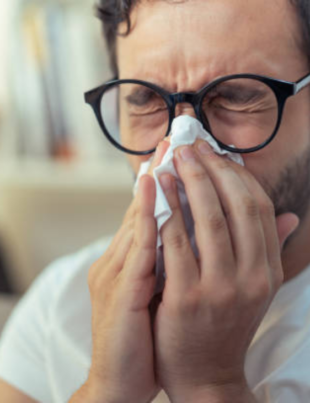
(184, 131)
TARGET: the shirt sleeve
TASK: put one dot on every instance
(23, 341)
(289, 383)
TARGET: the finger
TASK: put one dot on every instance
(131, 212)
(286, 224)
(212, 234)
(160, 152)
(127, 225)
(241, 210)
(180, 264)
(267, 216)
(141, 258)
(273, 239)
(158, 156)
(122, 242)
(109, 266)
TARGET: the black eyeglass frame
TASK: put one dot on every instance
(282, 90)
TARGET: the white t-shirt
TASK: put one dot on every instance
(45, 349)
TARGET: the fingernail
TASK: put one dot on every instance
(158, 152)
(204, 148)
(187, 154)
(166, 182)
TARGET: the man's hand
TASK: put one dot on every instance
(121, 285)
(212, 307)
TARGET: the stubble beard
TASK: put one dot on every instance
(292, 190)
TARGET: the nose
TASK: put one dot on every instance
(184, 104)
(185, 109)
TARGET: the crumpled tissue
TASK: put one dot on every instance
(184, 131)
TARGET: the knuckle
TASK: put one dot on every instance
(267, 208)
(177, 240)
(250, 207)
(261, 290)
(146, 243)
(188, 304)
(199, 175)
(226, 297)
(174, 206)
(217, 221)
(191, 304)
(222, 163)
(136, 243)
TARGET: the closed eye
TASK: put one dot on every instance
(141, 96)
(237, 96)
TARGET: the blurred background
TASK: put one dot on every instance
(62, 185)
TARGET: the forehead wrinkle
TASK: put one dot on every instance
(285, 13)
(202, 74)
(176, 67)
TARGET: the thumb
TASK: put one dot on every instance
(286, 224)
(159, 155)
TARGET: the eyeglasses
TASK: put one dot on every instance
(242, 112)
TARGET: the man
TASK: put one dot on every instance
(223, 331)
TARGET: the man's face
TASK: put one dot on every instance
(182, 46)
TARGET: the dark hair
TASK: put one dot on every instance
(114, 12)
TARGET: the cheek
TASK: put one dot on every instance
(291, 140)
(135, 161)
(293, 137)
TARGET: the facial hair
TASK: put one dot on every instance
(291, 193)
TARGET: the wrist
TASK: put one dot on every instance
(94, 391)
(91, 392)
(237, 393)
(86, 394)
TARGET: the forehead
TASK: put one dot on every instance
(188, 43)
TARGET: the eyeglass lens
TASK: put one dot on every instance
(241, 112)
(137, 112)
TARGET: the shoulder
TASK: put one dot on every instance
(70, 310)
(58, 276)
(277, 363)
(70, 270)
(47, 321)
(62, 274)
(70, 266)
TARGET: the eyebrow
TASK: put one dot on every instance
(238, 92)
(235, 92)
(141, 96)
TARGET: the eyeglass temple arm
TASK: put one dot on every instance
(302, 83)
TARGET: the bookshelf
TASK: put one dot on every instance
(56, 53)
(62, 184)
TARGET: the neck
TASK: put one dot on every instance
(296, 253)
